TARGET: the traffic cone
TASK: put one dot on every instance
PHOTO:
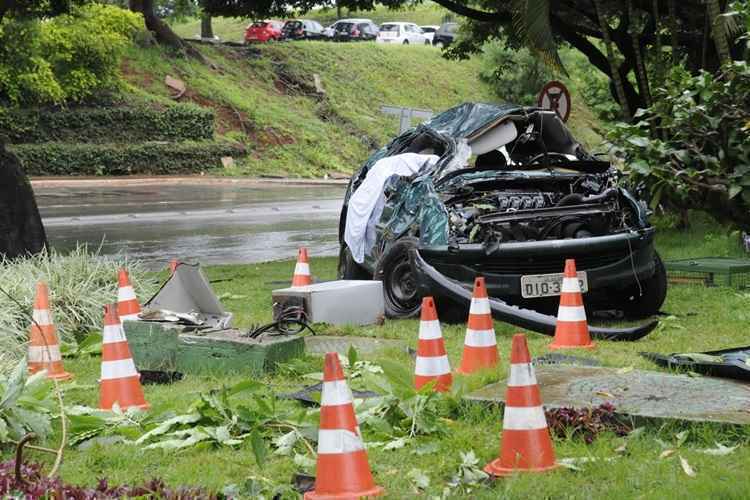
(432, 361)
(128, 307)
(480, 346)
(342, 470)
(44, 348)
(525, 445)
(173, 265)
(571, 331)
(302, 269)
(120, 382)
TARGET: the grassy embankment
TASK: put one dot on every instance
(701, 319)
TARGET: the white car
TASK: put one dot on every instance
(330, 31)
(402, 33)
(429, 31)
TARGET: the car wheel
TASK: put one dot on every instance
(394, 269)
(406, 42)
(648, 303)
(427, 42)
(439, 45)
(348, 269)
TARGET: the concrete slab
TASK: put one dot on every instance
(637, 393)
(321, 344)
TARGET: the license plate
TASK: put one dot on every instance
(548, 285)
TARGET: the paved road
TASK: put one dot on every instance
(213, 223)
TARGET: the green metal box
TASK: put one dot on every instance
(166, 347)
(710, 271)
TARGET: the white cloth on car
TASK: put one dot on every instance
(367, 202)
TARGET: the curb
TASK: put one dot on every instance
(50, 182)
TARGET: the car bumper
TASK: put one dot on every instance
(611, 263)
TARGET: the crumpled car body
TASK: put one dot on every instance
(533, 198)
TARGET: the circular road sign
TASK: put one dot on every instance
(555, 96)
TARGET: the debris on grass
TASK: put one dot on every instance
(586, 423)
(686, 467)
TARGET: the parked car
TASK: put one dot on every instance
(301, 29)
(429, 31)
(444, 35)
(402, 33)
(330, 31)
(263, 31)
(355, 32)
(533, 198)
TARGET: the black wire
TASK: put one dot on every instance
(291, 321)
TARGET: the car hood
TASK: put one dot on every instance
(465, 120)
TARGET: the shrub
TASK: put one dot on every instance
(691, 149)
(80, 284)
(125, 124)
(66, 58)
(146, 158)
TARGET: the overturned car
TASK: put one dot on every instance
(504, 192)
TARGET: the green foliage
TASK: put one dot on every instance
(515, 75)
(699, 156)
(26, 404)
(123, 124)
(80, 284)
(152, 158)
(66, 58)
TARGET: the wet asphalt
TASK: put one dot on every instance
(209, 223)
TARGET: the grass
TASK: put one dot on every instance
(717, 319)
(233, 29)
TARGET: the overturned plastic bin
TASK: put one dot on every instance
(185, 329)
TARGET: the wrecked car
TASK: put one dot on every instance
(504, 192)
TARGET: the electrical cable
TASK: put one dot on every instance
(291, 321)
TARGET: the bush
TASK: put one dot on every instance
(66, 58)
(691, 149)
(146, 158)
(107, 124)
(80, 284)
(515, 75)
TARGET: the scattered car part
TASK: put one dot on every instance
(305, 395)
(557, 358)
(726, 363)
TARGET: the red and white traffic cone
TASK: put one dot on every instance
(128, 307)
(302, 269)
(120, 382)
(173, 265)
(480, 345)
(432, 360)
(571, 330)
(342, 470)
(526, 445)
(44, 347)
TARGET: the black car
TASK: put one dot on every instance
(445, 34)
(298, 29)
(355, 32)
(532, 199)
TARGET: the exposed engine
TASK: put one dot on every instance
(532, 209)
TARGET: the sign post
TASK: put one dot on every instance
(406, 115)
(555, 96)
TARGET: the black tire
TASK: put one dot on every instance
(406, 42)
(648, 303)
(348, 269)
(400, 292)
(427, 42)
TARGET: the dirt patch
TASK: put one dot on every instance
(269, 137)
(141, 79)
(228, 119)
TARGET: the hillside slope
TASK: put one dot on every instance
(264, 97)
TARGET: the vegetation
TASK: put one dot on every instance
(64, 59)
(80, 284)
(454, 439)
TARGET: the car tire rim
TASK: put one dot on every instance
(401, 287)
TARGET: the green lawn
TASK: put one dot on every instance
(718, 318)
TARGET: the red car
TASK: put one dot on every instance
(263, 31)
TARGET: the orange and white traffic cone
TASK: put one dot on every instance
(120, 382)
(173, 265)
(128, 307)
(302, 269)
(342, 471)
(572, 330)
(480, 345)
(432, 360)
(526, 445)
(44, 348)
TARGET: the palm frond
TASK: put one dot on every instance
(531, 22)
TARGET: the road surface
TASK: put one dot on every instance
(212, 223)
